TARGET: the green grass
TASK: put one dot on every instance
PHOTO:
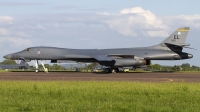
(3, 71)
(92, 96)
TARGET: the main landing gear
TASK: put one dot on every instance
(111, 70)
(37, 67)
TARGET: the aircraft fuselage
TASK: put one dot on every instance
(53, 53)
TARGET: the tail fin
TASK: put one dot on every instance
(176, 41)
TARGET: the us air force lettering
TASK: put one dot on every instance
(170, 49)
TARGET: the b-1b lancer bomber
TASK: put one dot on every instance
(170, 49)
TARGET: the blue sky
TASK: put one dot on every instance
(97, 24)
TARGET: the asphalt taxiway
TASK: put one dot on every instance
(77, 76)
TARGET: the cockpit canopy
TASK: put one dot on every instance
(27, 49)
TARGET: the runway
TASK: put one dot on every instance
(77, 76)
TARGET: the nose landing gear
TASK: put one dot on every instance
(37, 67)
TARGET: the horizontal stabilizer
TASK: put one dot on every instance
(182, 45)
(190, 48)
(178, 44)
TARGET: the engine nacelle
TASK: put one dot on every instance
(125, 62)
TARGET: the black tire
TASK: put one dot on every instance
(107, 70)
(37, 71)
(117, 70)
(114, 70)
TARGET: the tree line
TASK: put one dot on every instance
(183, 67)
(8, 62)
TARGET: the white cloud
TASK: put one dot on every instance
(12, 32)
(33, 26)
(56, 25)
(64, 7)
(134, 21)
(11, 4)
(183, 20)
(3, 31)
(15, 41)
(21, 34)
(140, 22)
(6, 19)
(40, 27)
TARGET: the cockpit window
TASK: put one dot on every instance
(28, 49)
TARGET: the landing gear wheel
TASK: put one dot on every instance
(117, 70)
(114, 70)
(107, 70)
(36, 71)
(37, 67)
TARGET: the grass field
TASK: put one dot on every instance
(99, 96)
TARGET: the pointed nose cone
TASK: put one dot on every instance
(7, 56)
(190, 56)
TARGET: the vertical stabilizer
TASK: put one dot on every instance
(178, 37)
(176, 41)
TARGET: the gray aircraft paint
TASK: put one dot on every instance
(169, 49)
